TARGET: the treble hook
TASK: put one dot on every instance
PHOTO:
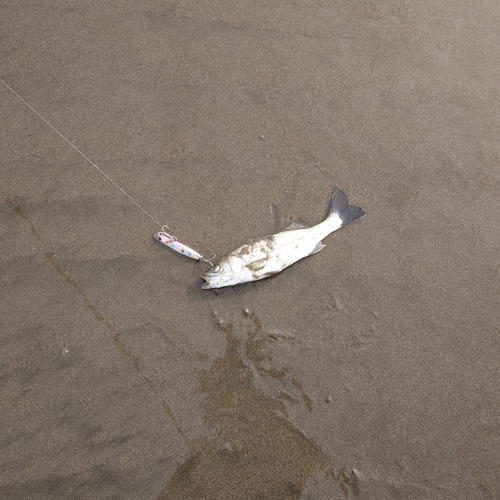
(209, 261)
(173, 238)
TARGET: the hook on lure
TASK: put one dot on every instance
(174, 244)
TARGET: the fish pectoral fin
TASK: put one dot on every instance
(297, 224)
(317, 248)
(270, 273)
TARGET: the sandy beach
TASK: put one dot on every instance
(370, 370)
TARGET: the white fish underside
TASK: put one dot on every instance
(268, 256)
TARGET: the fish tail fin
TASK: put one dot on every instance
(339, 207)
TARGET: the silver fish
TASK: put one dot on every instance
(268, 256)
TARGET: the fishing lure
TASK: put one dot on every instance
(171, 241)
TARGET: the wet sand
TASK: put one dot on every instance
(370, 370)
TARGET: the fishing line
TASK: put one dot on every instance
(76, 149)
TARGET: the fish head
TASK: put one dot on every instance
(225, 273)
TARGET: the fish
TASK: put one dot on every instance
(268, 256)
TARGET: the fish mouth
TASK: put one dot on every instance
(206, 282)
(209, 276)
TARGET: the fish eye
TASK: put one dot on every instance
(216, 269)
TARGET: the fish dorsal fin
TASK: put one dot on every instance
(297, 224)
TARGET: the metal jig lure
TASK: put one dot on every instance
(171, 241)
